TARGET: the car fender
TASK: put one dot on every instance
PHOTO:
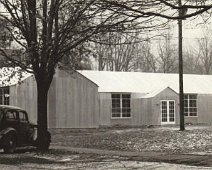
(7, 131)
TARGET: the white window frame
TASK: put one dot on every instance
(188, 106)
(168, 122)
(121, 113)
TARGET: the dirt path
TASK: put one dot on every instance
(83, 161)
(65, 158)
(187, 159)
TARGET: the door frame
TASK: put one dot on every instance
(168, 122)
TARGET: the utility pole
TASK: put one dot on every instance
(181, 93)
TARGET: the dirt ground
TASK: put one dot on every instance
(167, 148)
(156, 139)
(60, 160)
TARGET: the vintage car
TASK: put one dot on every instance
(15, 129)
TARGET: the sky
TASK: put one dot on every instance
(193, 30)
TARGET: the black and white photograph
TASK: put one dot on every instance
(105, 84)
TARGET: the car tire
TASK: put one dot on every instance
(9, 144)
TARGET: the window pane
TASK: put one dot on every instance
(126, 115)
(115, 96)
(115, 103)
(193, 96)
(116, 110)
(193, 114)
(6, 90)
(185, 96)
(192, 103)
(22, 116)
(4, 96)
(164, 111)
(126, 96)
(125, 103)
(11, 115)
(193, 109)
(125, 110)
(116, 115)
(186, 113)
(171, 118)
(185, 103)
(164, 119)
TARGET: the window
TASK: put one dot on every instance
(190, 105)
(121, 105)
(22, 116)
(5, 96)
(11, 115)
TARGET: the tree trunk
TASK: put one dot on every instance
(44, 137)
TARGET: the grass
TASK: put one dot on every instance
(137, 139)
(159, 139)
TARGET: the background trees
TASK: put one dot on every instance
(48, 31)
(205, 52)
(116, 51)
(167, 55)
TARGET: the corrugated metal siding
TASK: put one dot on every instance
(167, 94)
(105, 109)
(204, 104)
(77, 101)
(24, 95)
(145, 111)
(72, 101)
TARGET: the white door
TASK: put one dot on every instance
(167, 111)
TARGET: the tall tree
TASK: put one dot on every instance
(116, 51)
(167, 55)
(145, 60)
(46, 31)
(205, 52)
(191, 62)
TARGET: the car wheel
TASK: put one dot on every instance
(9, 144)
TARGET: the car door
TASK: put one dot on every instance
(23, 129)
(11, 119)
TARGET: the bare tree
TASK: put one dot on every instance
(46, 31)
(167, 57)
(145, 60)
(160, 8)
(191, 62)
(116, 52)
(78, 58)
(205, 52)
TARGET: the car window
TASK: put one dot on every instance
(11, 115)
(22, 116)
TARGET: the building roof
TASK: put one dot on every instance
(147, 83)
(10, 76)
